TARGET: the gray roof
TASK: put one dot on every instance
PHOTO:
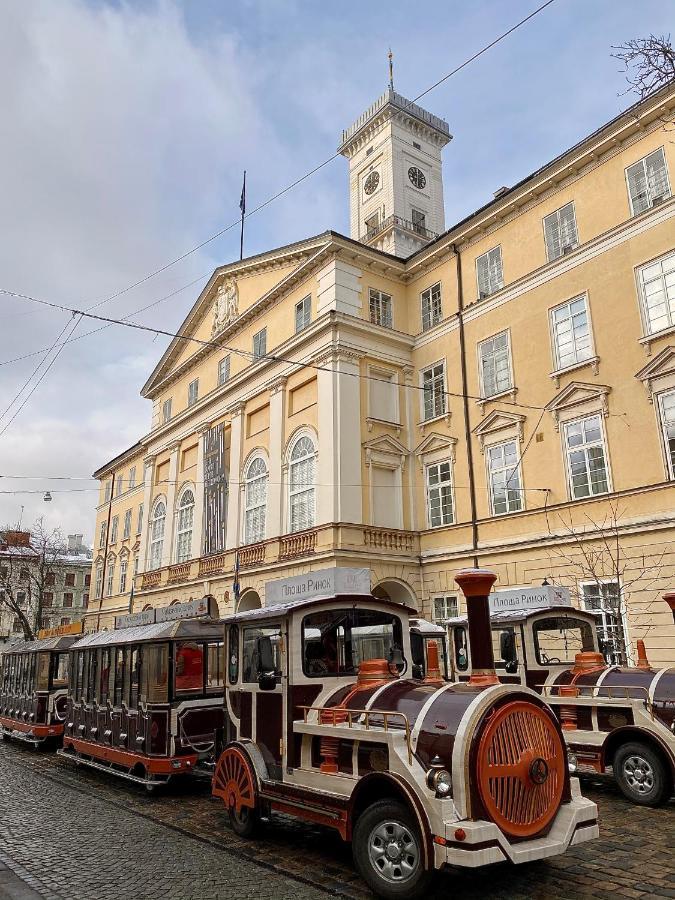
(183, 629)
(281, 609)
(426, 627)
(508, 616)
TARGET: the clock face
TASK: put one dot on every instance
(417, 177)
(371, 183)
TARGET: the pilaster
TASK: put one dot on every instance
(234, 492)
(274, 524)
(198, 523)
(148, 476)
(170, 526)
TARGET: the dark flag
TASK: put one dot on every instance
(242, 207)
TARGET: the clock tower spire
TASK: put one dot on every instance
(395, 174)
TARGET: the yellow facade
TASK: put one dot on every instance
(351, 380)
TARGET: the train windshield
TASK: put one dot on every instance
(558, 639)
(337, 641)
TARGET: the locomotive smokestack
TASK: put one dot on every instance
(476, 585)
(670, 600)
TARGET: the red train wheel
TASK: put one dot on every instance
(234, 782)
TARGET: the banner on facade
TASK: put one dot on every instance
(322, 583)
(215, 490)
(522, 599)
(61, 630)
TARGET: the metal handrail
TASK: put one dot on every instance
(352, 714)
(614, 692)
(413, 227)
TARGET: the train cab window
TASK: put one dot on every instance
(336, 642)
(558, 639)
(233, 655)
(189, 668)
(155, 673)
(419, 647)
(251, 651)
(505, 648)
(461, 648)
(214, 667)
(59, 671)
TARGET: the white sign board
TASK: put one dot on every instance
(190, 610)
(132, 620)
(322, 583)
(527, 598)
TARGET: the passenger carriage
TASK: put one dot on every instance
(33, 689)
(613, 717)
(145, 700)
(330, 719)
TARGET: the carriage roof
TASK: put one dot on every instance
(176, 630)
(56, 642)
(282, 609)
(513, 616)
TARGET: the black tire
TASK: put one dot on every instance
(245, 823)
(404, 875)
(641, 774)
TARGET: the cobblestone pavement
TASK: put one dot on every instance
(73, 833)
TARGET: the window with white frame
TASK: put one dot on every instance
(186, 511)
(113, 529)
(432, 310)
(255, 500)
(157, 524)
(110, 578)
(303, 313)
(124, 565)
(560, 231)
(571, 333)
(193, 392)
(504, 477)
(494, 355)
(119, 486)
(99, 582)
(647, 181)
(101, 534)
(605, 599)
(667, 413)
(139, 524)
(127, 525)
(586, 457)
(489, 272)
(260, 344)
(433, 391)
(445, 608)
(301, 489)
(107, 490)
(132, 477)
(166, 411)
(657, 293)
(440, 510)
(380, 308)
(224, 370)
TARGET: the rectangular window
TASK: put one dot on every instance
(119, 486)
(166, 411)
(132, 477)
(303, 314)
(68, 599)
(419, 221)
(560, 232)
(432, 311)
(109, 579)
(586, 461)
(439, 495)
(667, 413)
(372, 224)
(224, 370)
(647, 181)
(47, 598)
(604, 598)
(21, 598)
(260, 344)
(489, 272)
(50, 578)
(506, 495)
(495, 365)
(433, 384)
(113, 529)
(383, 396)
(101, 535)
(386, 496)
(85, 600)
(571, 333)
(193, 392)
(139, 526)
(189, 668)
(87, 580)
(70, 579)
(107, 490)
(99, 582)
(124, 564)
(127, 525)
(657, 293)
(445, 608)
(380, 309)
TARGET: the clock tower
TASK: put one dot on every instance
(395, 175)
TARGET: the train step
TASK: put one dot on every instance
(110, 768)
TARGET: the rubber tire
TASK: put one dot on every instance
(662, 783)
(418, 885)
(247, 823)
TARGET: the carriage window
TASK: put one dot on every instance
(59, 673)
(120, 659)
(250, 667)
(79, 672)
(104, 678)
(155, 673)
(135, 664)
(557, 639)
(214, 667)
(461, 649)
(503, 639)
(189, 668)
(336, 642)
(92, 675)
(233, 656)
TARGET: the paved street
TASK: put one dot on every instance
(67, 833)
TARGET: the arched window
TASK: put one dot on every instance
(301, 499)
(186, 512)
(157, 523)
(255, 500)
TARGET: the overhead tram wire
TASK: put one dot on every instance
(246, 354)
(314, 170)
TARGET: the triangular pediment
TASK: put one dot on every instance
(434, 442)
(385, 443)
(497, 420)
(662, 366)
(576, 393)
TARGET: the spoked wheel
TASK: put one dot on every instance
(641, 774)
(234, 782)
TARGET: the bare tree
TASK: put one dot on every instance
(649, 64)
(602, 573)
(27, 571)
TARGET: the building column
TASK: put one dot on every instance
(410, 426)
(170, 524)
(148, 477)
(198, 521)
(234, 486)
(274, 523)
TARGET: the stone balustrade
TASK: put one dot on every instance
(211, 565)
(300, 544)
(253, 555)
(389, 539)
(179, 572)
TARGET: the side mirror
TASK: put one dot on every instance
(266, 670)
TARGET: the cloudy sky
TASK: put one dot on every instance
(124, 131)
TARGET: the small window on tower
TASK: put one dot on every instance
(419, 221)
(372, 224)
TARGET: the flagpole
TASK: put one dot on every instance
(242, 207)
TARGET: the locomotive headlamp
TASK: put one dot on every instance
(439, 780)
(572, 762)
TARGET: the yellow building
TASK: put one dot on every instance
(416, 399)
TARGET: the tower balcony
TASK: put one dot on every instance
(414, 229)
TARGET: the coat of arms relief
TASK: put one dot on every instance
(225, 307)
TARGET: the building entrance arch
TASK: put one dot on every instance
(395, 590)
(250, 599)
